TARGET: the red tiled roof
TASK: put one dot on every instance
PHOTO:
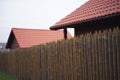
(30, 37)
(91, 9)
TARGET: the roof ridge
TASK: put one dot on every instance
(30, 29)
(34, 29)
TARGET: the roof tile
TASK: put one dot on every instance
(91, 9)
(30, 37)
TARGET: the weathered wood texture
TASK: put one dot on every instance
(88, 57)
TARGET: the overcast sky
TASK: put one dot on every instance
(36, 14)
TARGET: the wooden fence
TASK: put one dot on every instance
(89, 57)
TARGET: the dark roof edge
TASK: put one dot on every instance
(68, 25)
(8, 41)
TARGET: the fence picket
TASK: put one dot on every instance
(117, 43)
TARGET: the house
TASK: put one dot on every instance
(21, 38)
(2, 47)
(92, 16)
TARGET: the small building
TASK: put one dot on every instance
(22, 38)
(2, 47)
(92, 16)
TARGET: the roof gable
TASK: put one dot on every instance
(30, 37)
(91, 9)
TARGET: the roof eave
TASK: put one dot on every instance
(71, 25)
(56, 28)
